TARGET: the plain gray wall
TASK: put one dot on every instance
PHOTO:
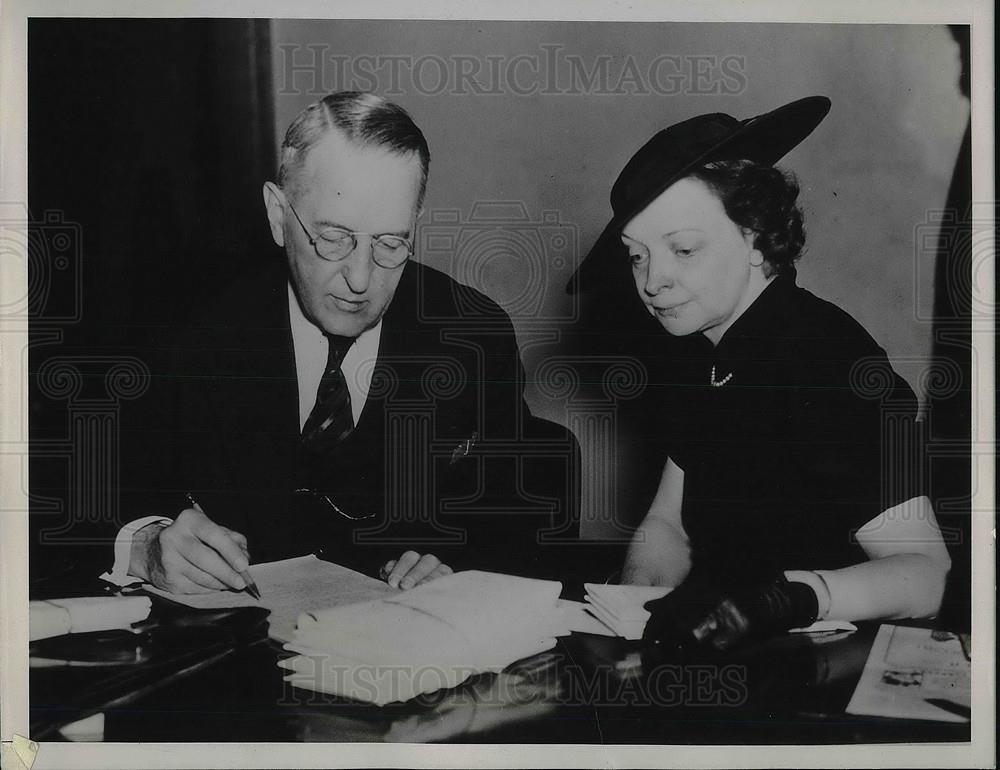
(872, 174)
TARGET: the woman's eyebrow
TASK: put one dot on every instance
(684, 230)
(626, 236)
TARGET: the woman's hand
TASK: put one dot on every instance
(411, 569)
(696, 614)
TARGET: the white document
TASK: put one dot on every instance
(289, 588)
(577, 618)
(907, 670)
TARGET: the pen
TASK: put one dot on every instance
(951, 707)
(966, 641)
(251, 587)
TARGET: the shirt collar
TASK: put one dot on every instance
(304, 332)
(310, 349)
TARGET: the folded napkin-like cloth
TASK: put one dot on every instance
(620, 607)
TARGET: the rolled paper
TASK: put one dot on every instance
(55, 617)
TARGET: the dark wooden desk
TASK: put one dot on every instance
(218, 681)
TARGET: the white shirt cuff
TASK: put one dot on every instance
(817, 583)
(123, 550)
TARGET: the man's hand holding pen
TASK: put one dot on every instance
(194, 555)
(191, 555)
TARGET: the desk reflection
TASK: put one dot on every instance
(486, 704)
(600, 688)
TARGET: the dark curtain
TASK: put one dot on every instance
(148, 144)
(950, 404)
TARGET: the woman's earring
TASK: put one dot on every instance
(756, 258)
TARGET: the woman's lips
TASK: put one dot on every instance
(669, 309)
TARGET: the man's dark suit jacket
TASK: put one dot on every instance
(445, 459)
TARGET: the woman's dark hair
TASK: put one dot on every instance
(763, 199)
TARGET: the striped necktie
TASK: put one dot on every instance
(331, 420)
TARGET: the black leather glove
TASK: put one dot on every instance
(695, 614)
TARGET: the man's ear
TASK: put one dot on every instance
(274, 201)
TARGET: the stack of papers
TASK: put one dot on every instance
(620, 608)
(429, 638)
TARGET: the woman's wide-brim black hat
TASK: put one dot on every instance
(679, 149)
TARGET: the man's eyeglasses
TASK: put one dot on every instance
(324, 498)
(335, 243)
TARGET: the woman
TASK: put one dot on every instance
(791, 492)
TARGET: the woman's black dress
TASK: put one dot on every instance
(813, 436)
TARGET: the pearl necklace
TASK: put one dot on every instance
(718, 383)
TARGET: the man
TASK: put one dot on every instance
(347, 401)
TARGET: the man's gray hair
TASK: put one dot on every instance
(364, 118)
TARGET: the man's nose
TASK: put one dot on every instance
(659, 274)
(358, 265)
